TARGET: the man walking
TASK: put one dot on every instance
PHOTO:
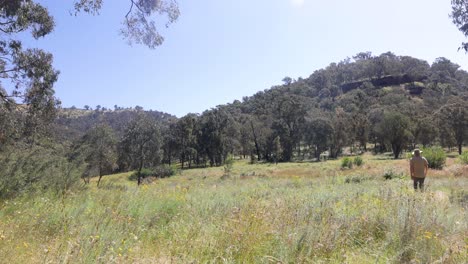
(418, 169)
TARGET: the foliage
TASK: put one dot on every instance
(164, 170)
(453, 118)
(140, 20)
(160, 171)
(97, 148)
(459, 17)
(435, 156)
(395, 130)
(140, 146)
(346, 162)
(144, 173)
(356, 179)
(358, 161)
(27, 169)
(228, 165)
(464, 158)
(390, 174)
(29, 71)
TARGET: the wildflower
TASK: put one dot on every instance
(428, 235)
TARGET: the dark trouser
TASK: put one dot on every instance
(420, 182)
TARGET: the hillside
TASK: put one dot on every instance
(73, 123)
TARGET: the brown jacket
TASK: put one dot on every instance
(418, 167)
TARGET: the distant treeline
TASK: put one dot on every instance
(393, 102)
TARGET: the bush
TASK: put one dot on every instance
(357, 179)
(358, 161)
(164, 171)
(390, 174)
(29, 169)
(161, 171)
(463, 158)
(346, 162)
(145, 173)
(435, 157)
(228, 165)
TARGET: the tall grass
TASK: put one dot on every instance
(464, 158)
(197, 217)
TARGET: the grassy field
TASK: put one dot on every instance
(260, 213)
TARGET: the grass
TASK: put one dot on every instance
(262, 213)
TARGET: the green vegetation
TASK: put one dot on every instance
(358, 161)
(435, 156)
(240, 213)
(464, 158)
(288, 212)
(161, 171)
(346, 162)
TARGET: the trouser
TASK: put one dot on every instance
(418, 183)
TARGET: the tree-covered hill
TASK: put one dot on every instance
(394, 102)
(72, 123)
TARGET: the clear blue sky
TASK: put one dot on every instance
(219, 51)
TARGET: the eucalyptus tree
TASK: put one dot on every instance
(26, 75)
(317, 134)
(186, 136)
(98, 149)
(396, 131)
(140, 21)
(459, 17)
(453, 118)
(140, 146)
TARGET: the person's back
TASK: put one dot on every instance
(418, 169)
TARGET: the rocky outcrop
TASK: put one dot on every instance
(390, 80)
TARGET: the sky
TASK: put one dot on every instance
(222, 50)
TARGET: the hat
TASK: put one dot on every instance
(417, 151)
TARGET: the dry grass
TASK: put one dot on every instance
(261, 213)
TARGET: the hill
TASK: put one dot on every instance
(350, 104)
(72, 123)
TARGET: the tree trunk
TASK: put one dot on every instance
(396, 150)
(257, 148)
(460, 146)
(139, 172)
(99, 180)
(100, 174)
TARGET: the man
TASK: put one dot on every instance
(418, 169)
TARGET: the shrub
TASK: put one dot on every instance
(464, 158)
(27, 169)
(161, 171)
(358, 161)
(346, 162)
(390, 174)
(435, 157)
(357, 179)
(228, 164)
(164, 171)
(145, 173)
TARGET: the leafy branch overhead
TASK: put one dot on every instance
(27, 75)
(140, 23)
(459, 17)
